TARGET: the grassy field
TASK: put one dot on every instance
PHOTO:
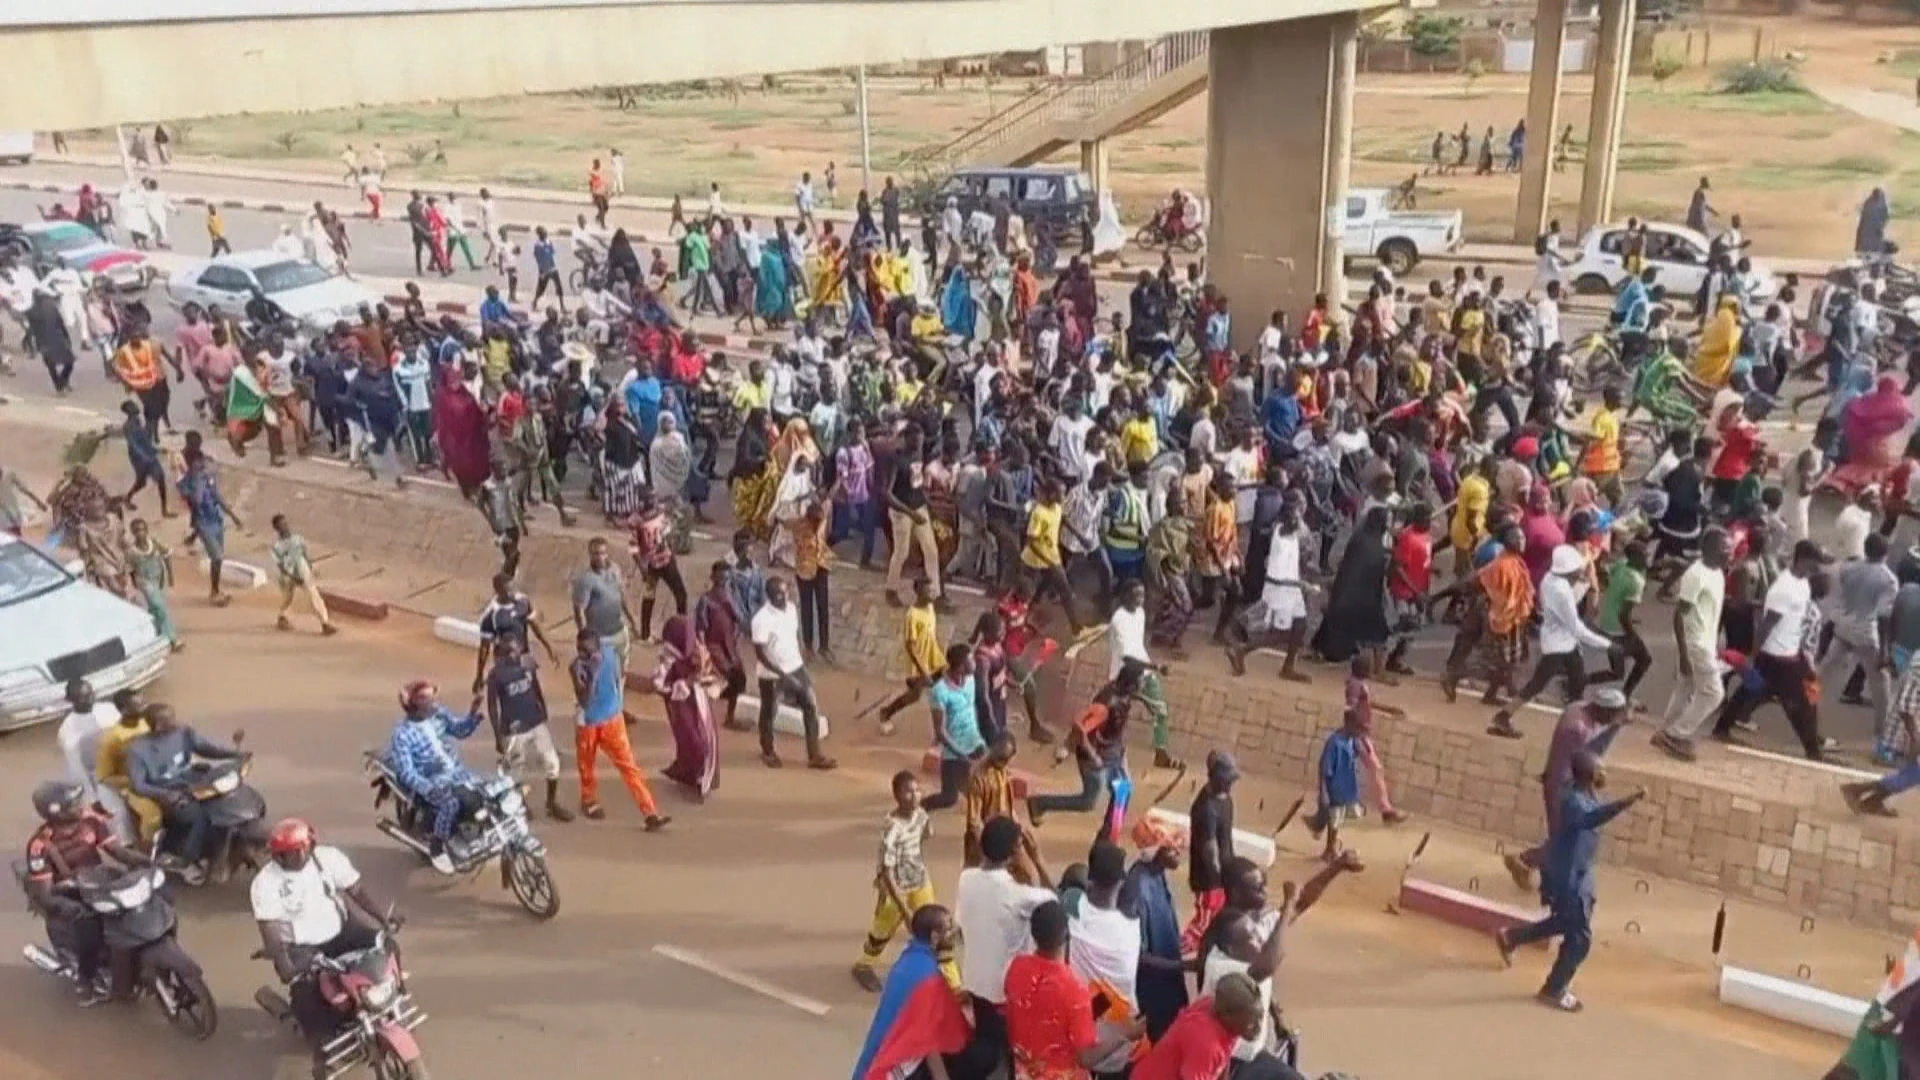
(1792, 165)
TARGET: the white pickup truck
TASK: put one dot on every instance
(1398, 238)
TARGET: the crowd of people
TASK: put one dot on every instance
(973, 408)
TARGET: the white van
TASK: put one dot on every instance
(16, 147)
(55, 628)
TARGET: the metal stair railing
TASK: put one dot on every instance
(1074, 100)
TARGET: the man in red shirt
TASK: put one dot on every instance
(1199, 1045)
(1049, 1011)
(1408, 579)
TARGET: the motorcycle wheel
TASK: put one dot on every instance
(531, 883)
(1190, 242)
(387, 1066)
(194, 1013)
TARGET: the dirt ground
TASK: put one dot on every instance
(1793, 165)
(768, 880)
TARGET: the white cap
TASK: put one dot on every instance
(1568, 560)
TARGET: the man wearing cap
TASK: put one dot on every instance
(1782, 663)
(1588, 725)
(1562, 633)
(1210, 840)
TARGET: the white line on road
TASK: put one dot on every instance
(741, 979)
(76, 410)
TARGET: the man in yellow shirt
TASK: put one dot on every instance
(110, 764)
(1041, 553)
(926, 657)
(1140, 438)
(1601, 461)
(1470, 514)
(753, 392)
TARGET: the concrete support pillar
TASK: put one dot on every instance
(1608, 110)
(1279, 136)
(1543, 120)
(1093, 162)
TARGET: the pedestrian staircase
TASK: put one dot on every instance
(1054, 116)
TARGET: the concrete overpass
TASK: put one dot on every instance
(1281, 74)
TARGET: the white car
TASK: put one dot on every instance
(55, 628)
(1398, 238)
(1677, 254)
(305, 290)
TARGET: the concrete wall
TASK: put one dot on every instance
(76, 77)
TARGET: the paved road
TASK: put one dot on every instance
(769, 880)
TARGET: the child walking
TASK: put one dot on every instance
(296, 575)
(901, 882)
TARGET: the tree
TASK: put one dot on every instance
(1666, 66)
(1475, 69)
(1433, 36)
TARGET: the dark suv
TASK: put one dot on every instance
(1056, 198)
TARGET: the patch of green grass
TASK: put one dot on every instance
(1159, 167)
(1808, 134)
(1780, 176)
(1859, 165)
(1763, 103)
(1178, 144)
(1649, 161)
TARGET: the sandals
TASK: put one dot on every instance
(1564, 1001)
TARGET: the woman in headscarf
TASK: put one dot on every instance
(1870, 235)
(958, 312)
(670, 460)
(460, 431)
(827, 274)
(754, 477)
(622, 461)
(1719, 343)
(1870, 427)
(622, 261)
(772, 292)
(680, 680)
(792, 460)
(863, 227)
(1542, 530)
(1169, 558)
(89, 519)
(1583, 499)
(642, 397)
(1356, 615)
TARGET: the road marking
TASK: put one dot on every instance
(1788, 759)
(741, 979)
(75, 410)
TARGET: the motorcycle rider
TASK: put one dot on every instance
(427, 765)
(301, 901)
(73, 837)
(157, 768)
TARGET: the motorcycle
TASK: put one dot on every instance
(141, 929)
(495, 828)
(1155, 234)
(374, 1014)
(237, 839)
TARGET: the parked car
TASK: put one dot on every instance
(1058, 199)
(16, 147)
(306, 291)
(55, 628)
(1677, 253)
(1398, 238)
(69, 243)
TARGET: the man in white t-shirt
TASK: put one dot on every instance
(79, 740)
(775, 632)
(1783, 662)
(1698, 598)
(1546, 318)
(1127, 629)
(1068, 441)
(994, 913)
(300, 901)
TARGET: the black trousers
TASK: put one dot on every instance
(670, 575)
(1567, 666)
(816, 611)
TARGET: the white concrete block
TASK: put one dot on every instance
(1261, 849)
(235, 574)
(76, 567)
(786, 718)
(454, 631)
(1796, 1003)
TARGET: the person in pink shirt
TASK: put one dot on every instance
(437, 235)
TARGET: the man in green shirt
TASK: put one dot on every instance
(295, 570)
(697, 257)
(1619, 606)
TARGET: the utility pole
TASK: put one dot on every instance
(866, 133)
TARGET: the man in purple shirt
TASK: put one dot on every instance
(1584, 725)
(856, 510)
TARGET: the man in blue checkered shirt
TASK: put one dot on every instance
(427, 763)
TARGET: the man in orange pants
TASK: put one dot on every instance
(599, 686)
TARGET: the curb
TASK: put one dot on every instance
(1794, 1002)
(358, 607)
(1261, 849)
(1465, 910)
(233, 572)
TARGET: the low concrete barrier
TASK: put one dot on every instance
(454, 631)
(1469, 911)
(1794, 1002)
(358, 607)
(1261, 849)
(235, 574)
(786, 718)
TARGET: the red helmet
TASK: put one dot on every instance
(289, 836)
